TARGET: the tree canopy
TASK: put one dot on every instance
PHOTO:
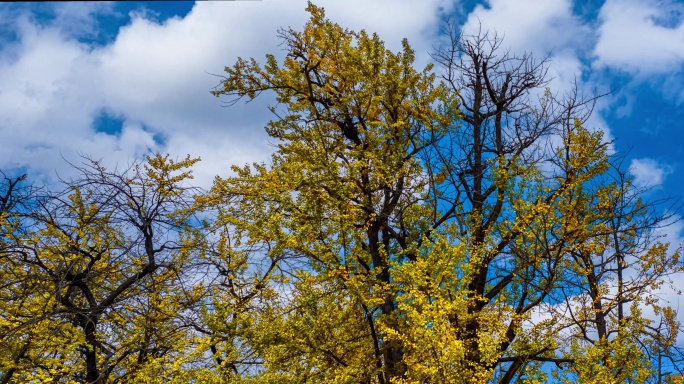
(457, 223)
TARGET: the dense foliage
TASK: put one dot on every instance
(455, 224)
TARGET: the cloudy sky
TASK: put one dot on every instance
(113, 80)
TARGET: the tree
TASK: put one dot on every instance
(601, 225)
(432, 232)
(92, 276)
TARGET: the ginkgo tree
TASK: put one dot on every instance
(452, 229)
(92, 276)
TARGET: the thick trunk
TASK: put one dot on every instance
(90, 351)
(392, 351)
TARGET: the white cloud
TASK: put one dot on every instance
(530, 25)
(648, 173)
(636, 36)
(78, 19)
(43, 111)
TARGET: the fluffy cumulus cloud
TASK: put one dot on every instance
(45, 107)
(155, 80)
(648, 173)
(641, 36)
(537, 25)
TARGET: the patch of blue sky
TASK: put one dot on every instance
(164, 9)
(108, 123)
(671, 18)
(587, 10)
(463, 9)
(112, 124)
(8, 31)
(13, 172)
(647, 127)
(159, 139)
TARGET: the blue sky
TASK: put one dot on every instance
(112, 80)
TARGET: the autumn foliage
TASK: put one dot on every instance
(452, 224)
